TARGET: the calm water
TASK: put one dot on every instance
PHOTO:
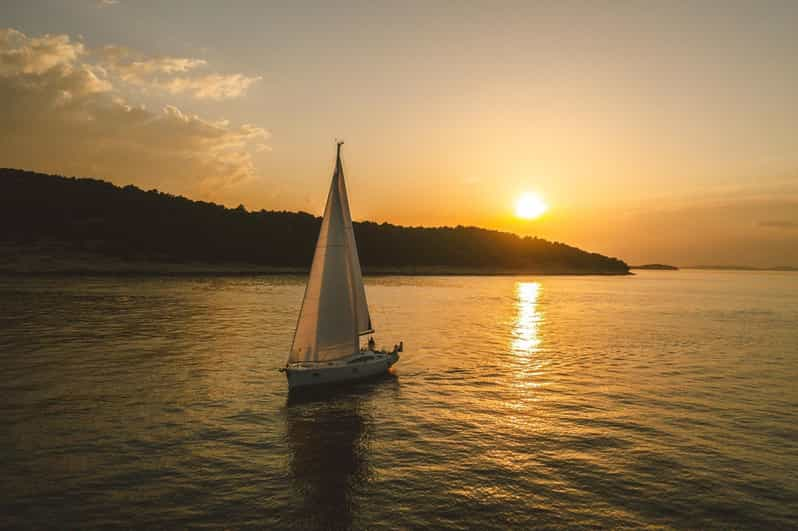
(668, 398)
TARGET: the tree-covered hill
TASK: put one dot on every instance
(97, 217)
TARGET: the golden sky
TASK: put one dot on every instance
(655, 131)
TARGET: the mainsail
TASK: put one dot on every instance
(334, 311)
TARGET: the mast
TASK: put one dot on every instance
(334, 309)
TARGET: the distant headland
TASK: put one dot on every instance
(54, 224)
(656, 267)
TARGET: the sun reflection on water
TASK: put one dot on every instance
(526, 343)
(525, 333)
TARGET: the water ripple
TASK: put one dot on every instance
(663, 400)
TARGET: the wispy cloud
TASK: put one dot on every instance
(135, 67)
(213, 87)
(779, 224)
(20, 54)
(168, 74)
(105, 3)
(69, 108)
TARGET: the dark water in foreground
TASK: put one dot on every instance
(668, 398)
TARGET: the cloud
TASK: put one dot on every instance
(779, 224)
(166, 73)
(22, 55)
(61, 113)
(136, 68)
(106, 3)
(214, 86)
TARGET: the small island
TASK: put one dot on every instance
(656, 267)
(54, 224)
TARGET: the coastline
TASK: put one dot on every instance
(15, 261)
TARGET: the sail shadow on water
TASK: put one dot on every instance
(329, 432)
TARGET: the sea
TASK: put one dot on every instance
(666, 399)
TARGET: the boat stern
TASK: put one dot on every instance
(393, 357)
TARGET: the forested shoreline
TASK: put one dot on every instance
(97, 220)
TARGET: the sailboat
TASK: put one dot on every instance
(334, 315)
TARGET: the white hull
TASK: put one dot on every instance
(359, 366)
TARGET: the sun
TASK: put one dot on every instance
(530, 206)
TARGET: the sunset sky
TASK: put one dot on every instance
(655, 132)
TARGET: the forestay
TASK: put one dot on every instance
(334, 311)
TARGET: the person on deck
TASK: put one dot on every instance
(372, 344)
